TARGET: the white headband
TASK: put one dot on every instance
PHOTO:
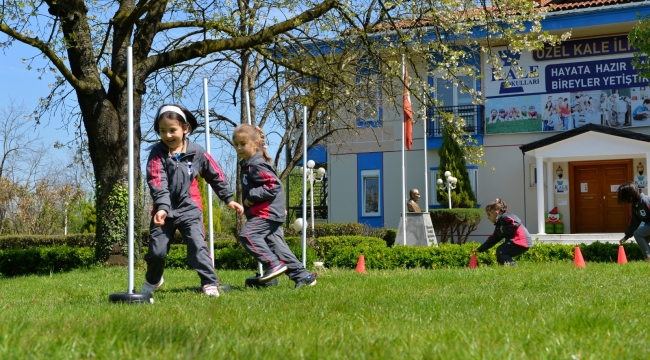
(172, 108)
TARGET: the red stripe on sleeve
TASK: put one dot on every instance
(215, 166)
(155, 166)
(269, 180)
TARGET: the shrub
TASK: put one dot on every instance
(29, 241)
(45, 260)
(458, 223)
(325, 244)
(329, 229)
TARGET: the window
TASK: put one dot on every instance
(450, 94)
(371, 196)
(369, 105)
(533, 175)
(472, 172)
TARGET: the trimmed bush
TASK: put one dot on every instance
(45, 260)
(30, 241)
(329, 229)
(326, 244)
(341, 252)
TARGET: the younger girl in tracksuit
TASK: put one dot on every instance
(172, 167)
(628, 193)
(263, 199)
(508, 226)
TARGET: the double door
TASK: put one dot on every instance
(594, 207)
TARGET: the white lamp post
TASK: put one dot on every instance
(311, 178)
(449, 184)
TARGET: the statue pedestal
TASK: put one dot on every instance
(419, 230)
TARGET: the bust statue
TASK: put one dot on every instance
(412, 204)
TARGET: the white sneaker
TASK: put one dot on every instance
(211, 290)
(149, 288)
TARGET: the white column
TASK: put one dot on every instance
(550, 186)
(540, 195)
(647, 156)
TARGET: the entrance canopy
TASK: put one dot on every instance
(590, 142)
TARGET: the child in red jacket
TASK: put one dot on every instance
(508, 227)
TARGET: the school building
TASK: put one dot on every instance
(576, 129)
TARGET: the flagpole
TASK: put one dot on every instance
(426, 167)
(403, 168)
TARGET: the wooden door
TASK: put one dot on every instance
(594, 207)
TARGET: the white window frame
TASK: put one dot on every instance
(455, 91)
(370, 102)
(533, 175)
(369, 174)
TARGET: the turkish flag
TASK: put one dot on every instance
(408, 113)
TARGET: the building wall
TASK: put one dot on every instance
(507, 173)
(342, 178)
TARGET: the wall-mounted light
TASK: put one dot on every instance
(559, 172)
(640, 169)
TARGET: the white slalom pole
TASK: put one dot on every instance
(208, 188)
(426, 167)
(130, 296)
(248, 118)
(248, 108)
(129, 90)
(304, 186)
(403, 171)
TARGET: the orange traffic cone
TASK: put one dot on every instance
(361, 265)
(473, 264)
(578, 260)
(622, 259)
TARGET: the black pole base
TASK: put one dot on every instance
(132, 298)
(255, 282)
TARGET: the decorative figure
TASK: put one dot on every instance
(412, 204)
(554, 224)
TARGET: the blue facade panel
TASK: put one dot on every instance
(370, 161)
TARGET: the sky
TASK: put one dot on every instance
(22, 87)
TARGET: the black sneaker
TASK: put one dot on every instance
(272, 273)
(310, 280)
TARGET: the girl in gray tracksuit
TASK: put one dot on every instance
(172, 168)
(263, 199)
(506, 226)
(628, 193)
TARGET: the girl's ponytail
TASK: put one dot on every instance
(265, 155)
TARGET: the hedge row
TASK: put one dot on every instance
(340, 252)
(45, 260)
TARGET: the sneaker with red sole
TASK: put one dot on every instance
(150, 288)
(272, 273)
(211, 290)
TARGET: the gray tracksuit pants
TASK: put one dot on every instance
(264, 239)
(641, 235)
(197, 251)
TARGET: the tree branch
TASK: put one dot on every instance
(49, 53)
(206, 47)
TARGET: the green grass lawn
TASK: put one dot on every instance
(537, 311)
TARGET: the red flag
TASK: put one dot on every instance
(408, 113)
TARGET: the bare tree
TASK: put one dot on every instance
(85, 43)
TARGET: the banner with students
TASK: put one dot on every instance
(567, 86)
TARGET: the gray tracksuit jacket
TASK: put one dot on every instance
(172, 180)
(640, 213)
(262, 187)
